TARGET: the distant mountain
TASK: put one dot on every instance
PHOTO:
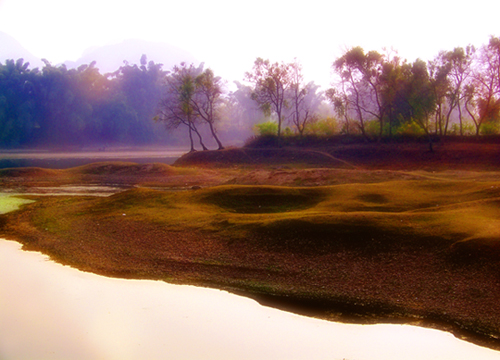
(10, 48)
(109, 58)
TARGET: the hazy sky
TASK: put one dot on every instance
(229, 35)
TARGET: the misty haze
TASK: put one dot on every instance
(249, 180)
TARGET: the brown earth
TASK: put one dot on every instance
(413, 156)
(415, 281)
(423, 285)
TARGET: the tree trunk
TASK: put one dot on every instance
(191, 140)
(301, 131)
(199, 137)
(460, 116)
(279, 129)
(381, 132)
(215, 136)
(439, 120)
(448, 115)
(279, 125)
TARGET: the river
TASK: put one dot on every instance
(68, 159)
(51, 311)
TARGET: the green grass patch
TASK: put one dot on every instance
(10, 203)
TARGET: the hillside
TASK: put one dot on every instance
(110, 58)
(10, 48)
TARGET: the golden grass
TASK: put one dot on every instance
(458, 210)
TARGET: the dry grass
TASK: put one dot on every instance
(416, 250)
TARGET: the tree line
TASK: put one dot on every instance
(275, 93)
(60, 106)
(458, 92)
(373, 95)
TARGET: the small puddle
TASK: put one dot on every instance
(76, 190)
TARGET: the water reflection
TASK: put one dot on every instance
(50, 311)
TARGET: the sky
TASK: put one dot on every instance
(229, 35)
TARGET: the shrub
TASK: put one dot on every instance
(323, 127)
(266, 128)
(410, 128)
(287, 131)
(372, 128)
(468, 128)
(490, 128)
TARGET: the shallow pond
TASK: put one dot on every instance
(50, 311)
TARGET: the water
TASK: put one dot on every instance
(51, 311)
(64, 160)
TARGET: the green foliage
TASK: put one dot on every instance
(490, 128)
(372, 128)
(11, 203)
(267, 128)
(288, 131)
(57, 106)
(271, 83)
(409, 128)
(468, 128)
(377, 96)
(324, 127)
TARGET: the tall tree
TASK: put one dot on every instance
(19, 114)
(439, 69)
(207, 100)
(176, 106)
(240, 113)
(339, 100)
(419, 97)
(304, 99)
(271, 82)
(362, 75)
(460, 70)
(482, 100)
(139, 88)
(449, 73)
(393, 78)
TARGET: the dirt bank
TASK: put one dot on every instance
(372, 156)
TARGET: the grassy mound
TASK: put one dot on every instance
(265, 156)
